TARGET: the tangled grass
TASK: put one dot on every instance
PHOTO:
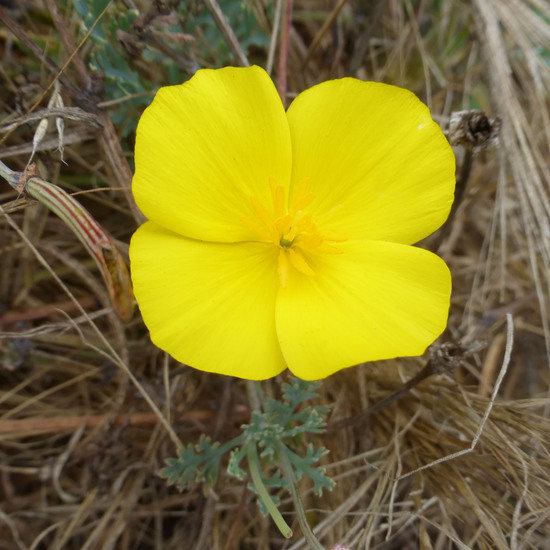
(89, 408)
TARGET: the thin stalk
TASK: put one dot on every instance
(227, 32)
(283, 50)
(460, 189)
(291, 478)
(254, 466)
(252, 390)
(273, 41)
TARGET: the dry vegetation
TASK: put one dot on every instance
(83, 395)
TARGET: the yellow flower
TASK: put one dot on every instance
(282, 239)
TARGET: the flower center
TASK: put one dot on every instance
(291, 229)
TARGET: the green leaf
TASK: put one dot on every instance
(298, 391)
(199, 463)
(235, 459)
(185, 469)
(303, 466)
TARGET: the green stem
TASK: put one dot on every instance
(254, 393)
(291, 478)
(254, 466)
(228, 445)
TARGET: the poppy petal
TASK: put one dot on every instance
(204, 148)
(380, 167)
(376, 300)
(209, 305)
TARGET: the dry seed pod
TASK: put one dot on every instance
(39, 134)
(473, 130)
(56, 101)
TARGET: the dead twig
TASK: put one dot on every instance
(227, 32)
(446, 357)
(70, 113)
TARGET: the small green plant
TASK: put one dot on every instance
(276, 431)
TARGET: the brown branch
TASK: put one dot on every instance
(445, 357)
(71, 113)
(121, 170)
(426, 372)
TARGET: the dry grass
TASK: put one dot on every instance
(82, 395)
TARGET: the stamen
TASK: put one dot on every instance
(291, 229)
(298, 261)
(261, 212)
(302, 199)
(284, 242)
(278, 196)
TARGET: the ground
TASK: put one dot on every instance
(90, 409)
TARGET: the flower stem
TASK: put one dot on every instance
(253, 396)
(291, 478)
(254, 466)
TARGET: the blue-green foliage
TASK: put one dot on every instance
(303, 466)
(285, 420)
(199, 463)
(106, 57)
(121, 79)
(279, 428)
